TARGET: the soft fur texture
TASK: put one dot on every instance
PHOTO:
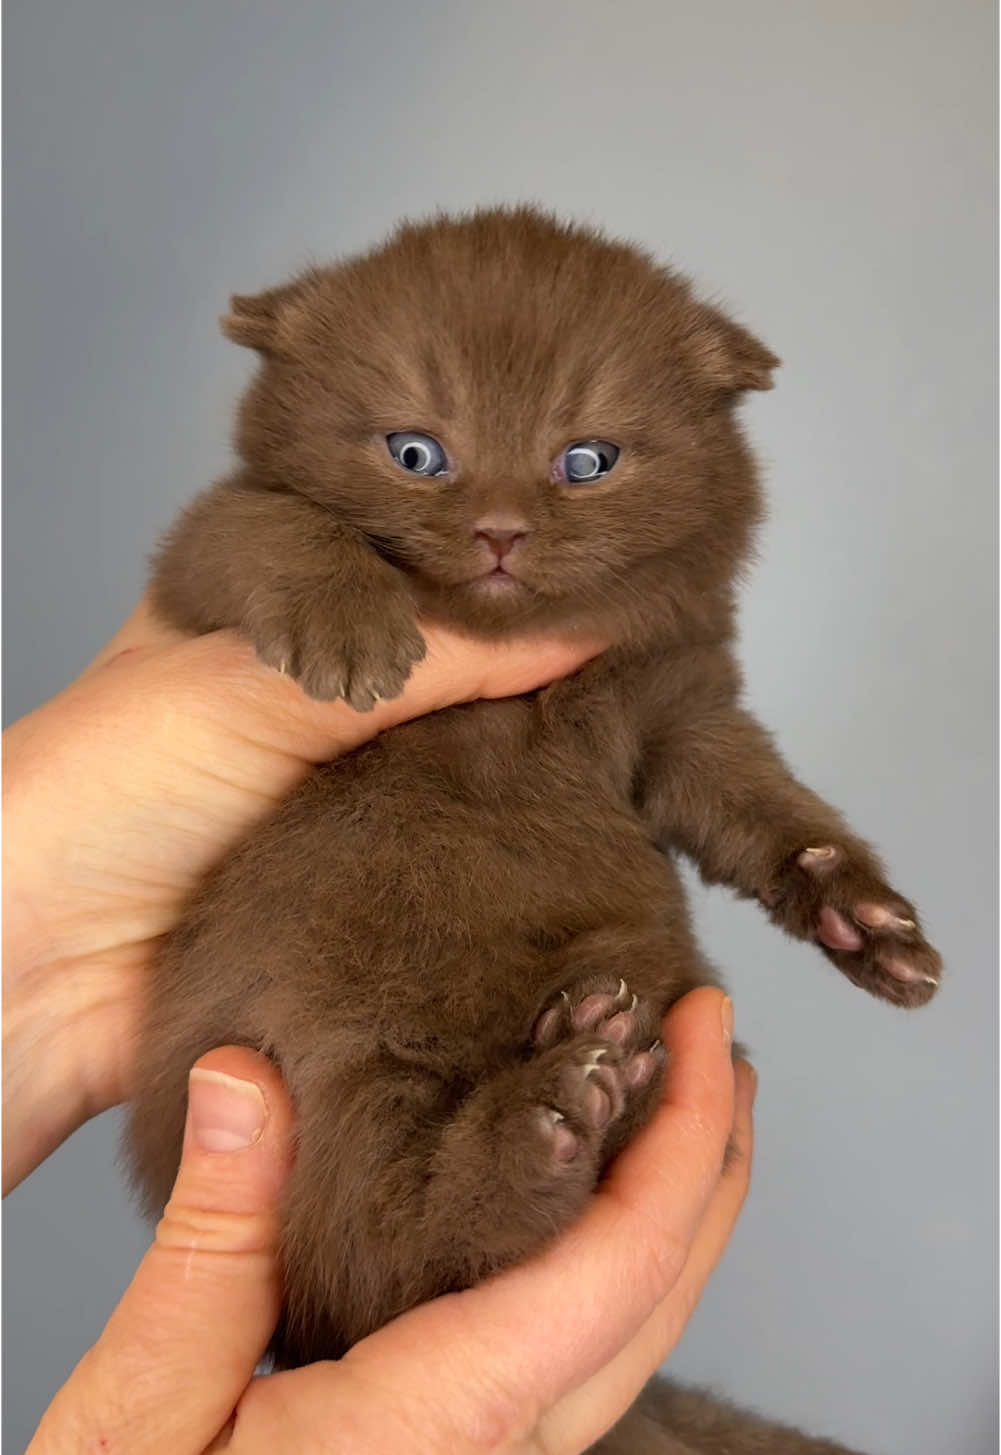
(458, 942)
(670, 1420)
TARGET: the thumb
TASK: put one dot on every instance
(181, 1346)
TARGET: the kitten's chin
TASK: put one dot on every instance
(493, 604)
(495, 601)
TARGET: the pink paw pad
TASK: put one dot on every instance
(641, 1068)
(882, 917)
(607, 1058)
(819, 859)
(591, 1010)
(882, 933)
(904, 971)
(834, 931)
(554, 1127)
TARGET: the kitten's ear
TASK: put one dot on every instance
(254, 318)
(731, 359)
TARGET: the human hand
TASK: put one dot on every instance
(121, 793)
(542, 1358)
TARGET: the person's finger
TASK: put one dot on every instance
(599, 1283)
(584, 1414)
(181, 1346)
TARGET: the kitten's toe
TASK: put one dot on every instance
(379, 670)
(585, 1090)
(919, 967)
(642, 1067)
(604, 1005)
(563, 1141)
(364, 659)
(834, 931)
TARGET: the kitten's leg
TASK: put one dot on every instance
(313, 596)
(525, 1149)
(529, 1144)
(403, 1190)
(718, 789)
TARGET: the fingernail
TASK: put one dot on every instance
(225, 1114)
(754, 1081)
(726, 1015)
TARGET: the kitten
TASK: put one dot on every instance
(458, 943)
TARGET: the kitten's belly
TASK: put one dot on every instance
(428, 866)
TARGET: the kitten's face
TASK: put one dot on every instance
(532, 423)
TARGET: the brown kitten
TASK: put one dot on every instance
(458, 942)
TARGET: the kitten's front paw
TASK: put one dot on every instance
(870, 933)
(363, 653)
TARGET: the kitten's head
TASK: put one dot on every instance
(534, 423)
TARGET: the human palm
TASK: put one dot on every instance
(120, 793)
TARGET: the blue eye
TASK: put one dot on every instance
(585, 461)
(420, 454)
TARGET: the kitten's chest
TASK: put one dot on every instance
(574, 737)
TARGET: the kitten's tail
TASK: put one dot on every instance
(670, 1419)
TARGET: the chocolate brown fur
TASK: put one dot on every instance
(669, 1419)
(430, 935)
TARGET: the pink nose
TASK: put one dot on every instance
(501, 533)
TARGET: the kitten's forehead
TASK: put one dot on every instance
(509, 321)
(509, 318)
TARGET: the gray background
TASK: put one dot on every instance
(829, 169)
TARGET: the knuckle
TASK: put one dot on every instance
(190, 1227)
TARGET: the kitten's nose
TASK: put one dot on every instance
(501, 533)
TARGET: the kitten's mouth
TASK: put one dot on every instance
(497, 580)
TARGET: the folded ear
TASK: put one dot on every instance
(731, 359)
(254, 318)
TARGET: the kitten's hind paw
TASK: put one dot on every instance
(604, 1042)
(861, 924)
(524, 1151)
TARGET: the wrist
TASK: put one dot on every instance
(64, 1020)
(65, 1050)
